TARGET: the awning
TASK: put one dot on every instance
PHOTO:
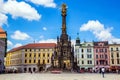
(102, 66)
(114, 67)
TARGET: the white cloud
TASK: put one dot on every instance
(18, 35)
(20, 9)
(44, 28)
(99, 30)
(41, 37)
(9, 43)
(17, 45)
(46, 3)
(48, 41)
(3, 19)
(17, 9)
(72, 42)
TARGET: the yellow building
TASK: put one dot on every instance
(114, 56)
(31, 57)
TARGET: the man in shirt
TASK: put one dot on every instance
(103, 71)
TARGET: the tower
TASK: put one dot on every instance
(64, 55)
(3, 48)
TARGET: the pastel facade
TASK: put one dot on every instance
(114, 56)
(86, 56)
(101, 54)
(26, 58)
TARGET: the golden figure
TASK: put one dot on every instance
(64, 9)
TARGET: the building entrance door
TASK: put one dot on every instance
(40, 69)
(64, 66)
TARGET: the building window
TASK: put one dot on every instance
(88, 50)
(43, 55)
(34, 55)
(117, 49)
(26, 50)
(29, 55)
(48, 61)
(48, 54)
(82, 50)
(105, 50)
(35, 50)
(106, 56)
(106, 63)
(39, 55)
(118, 62)
(29, 69)
(25, 54)
(89, 56)
(111, 49)
(34, 69)
(96, 56)
(82, 62)
(34, 61)
(112, 61)
(101, 62)
(29, 61)
(102, 56)
(89, 62)
(25, 61)
(101, 50)
(112, 55)
(82, 56)
(43, 61)
(38, 61)
(97, 62)
(117, 55)
(25, 69)
(96, 50)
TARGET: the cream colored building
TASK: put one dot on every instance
(26, 58)
(114, 56)
(85, 56)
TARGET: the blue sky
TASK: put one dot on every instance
(27, 21)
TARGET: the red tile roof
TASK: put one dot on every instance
(40, 45)
(34, 45)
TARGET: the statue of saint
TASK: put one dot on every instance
(64, 9)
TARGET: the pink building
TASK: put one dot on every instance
(101, 55)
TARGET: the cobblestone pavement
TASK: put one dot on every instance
(62, 76)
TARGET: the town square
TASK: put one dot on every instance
(59, 40)
(62, 76)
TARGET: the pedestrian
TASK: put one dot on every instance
(117, 71)
(103, 71)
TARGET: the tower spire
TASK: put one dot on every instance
(63, 18)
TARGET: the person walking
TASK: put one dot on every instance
(103, 71)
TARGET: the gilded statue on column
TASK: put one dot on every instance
(64, 9)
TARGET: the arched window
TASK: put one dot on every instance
(34, 69)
